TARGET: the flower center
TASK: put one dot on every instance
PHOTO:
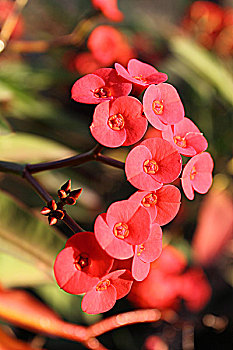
(149, 200)
(140, 249)
(102, 92)
(150, 166)
(103, 285)
(121, 230)
(81, 261)
(140, 78)
(180, 141)
(116, 122)
(158, 107)
(193, 173)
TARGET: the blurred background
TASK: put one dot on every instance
(53, 44)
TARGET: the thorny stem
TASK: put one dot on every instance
(93, 154)
(73, 225)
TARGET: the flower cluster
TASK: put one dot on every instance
(211, 25)
(169, 281)
(128, 237)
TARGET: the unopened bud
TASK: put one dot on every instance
(62, 194)
(67, 186)
(45, 211)
(76, 193)
(52, 220)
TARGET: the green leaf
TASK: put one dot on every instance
(27, 238)
(67, 305)
(25, 148)
(17, 273)
(205, 64)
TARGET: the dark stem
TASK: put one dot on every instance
(72, 224)
(110, 161)
(35, 184)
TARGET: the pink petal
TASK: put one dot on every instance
(139, 227)
(135, 122)
(121, 211)
(173, 110)
(114, 246)
(168, 204)
(186, 180)
(95, 302)
(138, 197)
(152, 247)
(140, 269)
(118, 86)
(134, 169)
(202, 182)
(82, 90)
(68, 277)
(103, 232)
(102, 132)
(168, 159)
(86, 243)
(137, 68)
(122, 282)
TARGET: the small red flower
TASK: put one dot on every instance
(104, 84)
(152, 163)
(147, 252)
(141, 74)
(102, 297)
(162, 105)
(186, 137)
(80, 265)
(162, 205)
(123, 226)
(119, 123)
(197, 175)
(109, 45)
(109, 9)
(84, 63)
(195, 290)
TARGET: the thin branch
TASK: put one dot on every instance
(39, 189)
(110, 161)
(73, 225)
(13, 168)
(127, 318)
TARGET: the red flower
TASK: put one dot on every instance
(171, 262)
(123, 226)
(102, 297)
(6, 7)
(104, 84)
(162, 105)
(186, 137)
(204, 20)
(197, 175)
(147, 252)
(156, 291)
(141, 74)
(84, 63)
(162, 205)
(119, 123)
(152, 163)
(81, 263)
(195, 290)
(109, 45)
(109, 9)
